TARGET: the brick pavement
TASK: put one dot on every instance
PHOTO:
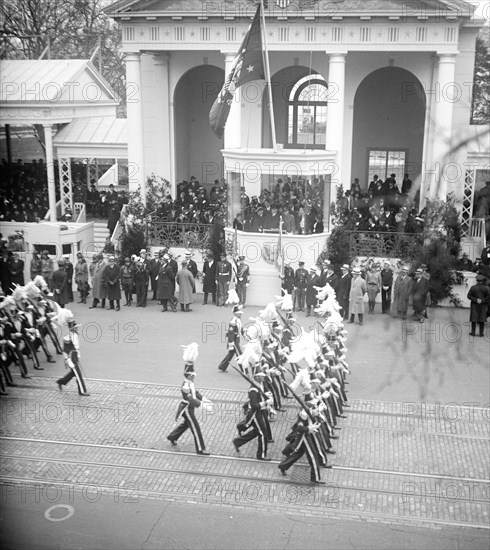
(394, 463)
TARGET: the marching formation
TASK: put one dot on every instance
(30, 320)
(277, 349)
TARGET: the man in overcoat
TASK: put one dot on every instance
(356, 296)
(479, 296)
(112, 281)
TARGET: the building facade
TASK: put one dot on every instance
(364, 87)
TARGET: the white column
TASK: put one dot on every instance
(165, 138)
(48, 135)
(335, 118)
(137, 175)
(443, 118)
(233, 128)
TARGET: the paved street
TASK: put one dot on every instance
(411, 469)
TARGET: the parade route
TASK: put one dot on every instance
(407, 473)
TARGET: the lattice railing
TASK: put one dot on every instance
(64, 166)
(468, 196)
(187, 235)
(382, 244)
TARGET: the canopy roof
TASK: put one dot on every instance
(53, 91)
(94, 137)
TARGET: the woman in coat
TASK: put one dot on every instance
(99, 291)
(112, 283)
(479, 296)
(166, 284)
(373, 285)
(356, 296)
(187, 287)
(81, 278)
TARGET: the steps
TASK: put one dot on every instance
(101, 234)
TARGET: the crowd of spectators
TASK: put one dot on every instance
(23, 193)
(383, 207)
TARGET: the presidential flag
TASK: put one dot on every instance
(248, 65)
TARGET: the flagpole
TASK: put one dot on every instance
(268, 77)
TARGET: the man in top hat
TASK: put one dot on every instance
(242, 279)
(343, 290)
(300, 284)
(420, 289)
(314, 280)
(255, 423)
(191, 400)
(141, 279)
(235, 330)
(71, 354)
(401, 293)
(224, 273)
(386, 287)
(479, 296)
(356, 296)
(153, 269)
(209, 279)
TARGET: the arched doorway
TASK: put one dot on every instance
(197, 149)
(388, 126)
(283, 83)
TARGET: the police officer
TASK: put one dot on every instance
(223, 277)
(300, 284)
(243, 279)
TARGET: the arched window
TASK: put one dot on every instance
(307, 113)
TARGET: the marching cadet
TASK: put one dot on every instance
(224, 272)
(300, 284)
(235, 330)
(256, 418)
(71, 354)
(191, 400)
(300, 443)
(243, 280)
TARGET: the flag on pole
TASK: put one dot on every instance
(248, 65)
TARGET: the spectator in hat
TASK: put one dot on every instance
(60, 284)
(153, 270)
(356, 296)
(187, 287)
(47, 267)
(386, 287)
(99, 291)
(479, 296)
(300, 284)
(81, 278)
(419, 295)
(191, 264)
(112, 282)
(209, 279)
(373, 285)
(69, 274)
(343, 290)
(224, 273)
(401, 293)
(36, 265)
(242, 280)
(166, 285)
(16, 270)
(127, 280)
